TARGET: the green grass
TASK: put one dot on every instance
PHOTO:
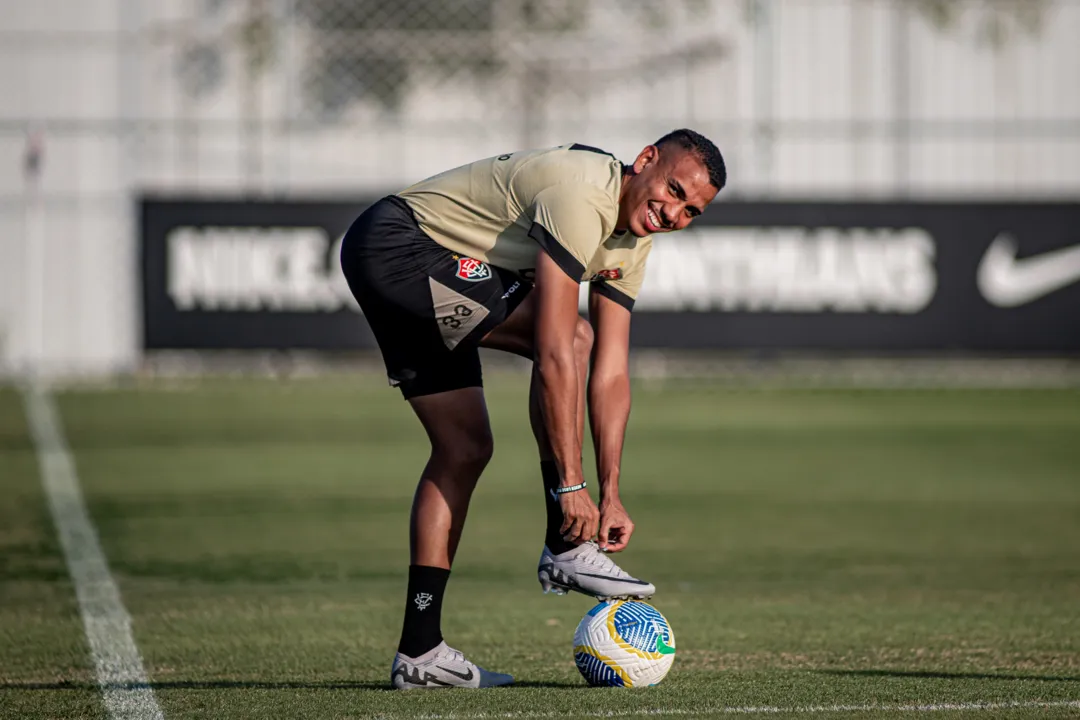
(41, 636)
(811, 549)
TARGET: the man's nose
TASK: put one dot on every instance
(666, 215)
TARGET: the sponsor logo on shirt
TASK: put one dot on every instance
(612, 274)
(472, 269)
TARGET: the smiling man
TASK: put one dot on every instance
(492, 255)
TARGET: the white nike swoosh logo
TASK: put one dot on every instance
(1007, 282)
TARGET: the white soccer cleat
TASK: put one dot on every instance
(588, 570)
(442, 667)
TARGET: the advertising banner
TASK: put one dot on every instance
(852, 276)
(247, 275)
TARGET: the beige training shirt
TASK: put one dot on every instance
(564, 200)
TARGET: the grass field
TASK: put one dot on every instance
(895, 553)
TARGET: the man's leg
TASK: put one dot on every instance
(456, 422)
(418, 309)
(563, 566)
(516, 335)
(583, 340)
(461, 445)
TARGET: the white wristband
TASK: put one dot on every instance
(571, 488)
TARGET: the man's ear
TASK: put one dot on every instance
(648, 156)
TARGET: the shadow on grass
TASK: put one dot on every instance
(244, 685)
(950, 675)
(203, 685)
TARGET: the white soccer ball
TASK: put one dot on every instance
(624, 643)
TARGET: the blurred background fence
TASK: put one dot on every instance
(104, 100)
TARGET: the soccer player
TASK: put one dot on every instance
(492, 254)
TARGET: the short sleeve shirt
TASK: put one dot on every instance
(565, 200)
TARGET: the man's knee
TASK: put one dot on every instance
(583, 340)
(468, 452)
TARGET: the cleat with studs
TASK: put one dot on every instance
(589, 571)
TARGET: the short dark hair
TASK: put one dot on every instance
(703, 148)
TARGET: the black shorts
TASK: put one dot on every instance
(428, 307)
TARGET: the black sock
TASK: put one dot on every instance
(422, 630)
(553, 536)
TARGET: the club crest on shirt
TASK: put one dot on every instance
(612, 274)
(472, 269)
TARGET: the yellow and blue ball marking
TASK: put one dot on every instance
(637, 628)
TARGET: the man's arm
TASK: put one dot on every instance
(609, 411)
(556, 322)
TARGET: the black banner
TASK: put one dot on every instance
(221, 274)
(867, 277)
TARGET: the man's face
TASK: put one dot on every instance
(670, 188)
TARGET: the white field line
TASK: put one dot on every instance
(773, 710)
(120, 674)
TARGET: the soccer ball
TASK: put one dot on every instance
(624, 643)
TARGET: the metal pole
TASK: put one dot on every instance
(287, 30)
(902, 99)
(129, 62)
(860, 62)
(34, 237)
(764, 130)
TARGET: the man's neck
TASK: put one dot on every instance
(627, 174)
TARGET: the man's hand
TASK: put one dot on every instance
(580, 516)
(616, 527)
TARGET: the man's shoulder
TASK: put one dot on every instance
(590, 164)
(575, 174)
(573, 163)
(581, 147)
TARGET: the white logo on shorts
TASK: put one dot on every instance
(509, 292)
(422, 600)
